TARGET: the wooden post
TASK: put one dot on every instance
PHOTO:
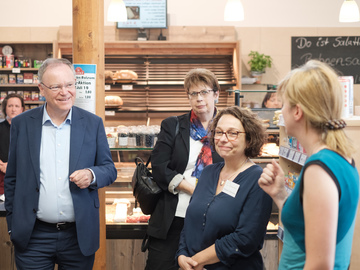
(88, 48)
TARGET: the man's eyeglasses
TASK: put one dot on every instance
(231, 135)
(58, 87)
(202, 93)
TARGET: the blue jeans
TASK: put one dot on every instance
(49, 246)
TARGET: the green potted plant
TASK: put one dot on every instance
(258, 63)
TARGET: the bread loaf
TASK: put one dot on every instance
(125, 75)
(113, 101)
(109, 75)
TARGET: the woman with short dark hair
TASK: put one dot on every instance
(181, 153)
(12, 105)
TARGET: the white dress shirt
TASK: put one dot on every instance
(55, 201)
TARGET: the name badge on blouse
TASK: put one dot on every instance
(231, 188)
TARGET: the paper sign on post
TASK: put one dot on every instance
(85, 87)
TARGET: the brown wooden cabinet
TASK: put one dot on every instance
(13, 79)
(161, 66)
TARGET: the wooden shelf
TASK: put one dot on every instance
(24, 69)
(292, 155)
(7, 85)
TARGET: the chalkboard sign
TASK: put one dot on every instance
(342, 53)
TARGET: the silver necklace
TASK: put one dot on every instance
(222, 182)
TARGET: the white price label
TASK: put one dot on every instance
(107, 87)
(286, 152)
(16, 70)
(110, 113)
(302, 159)
(127, 87)
(297, 157)
(291, 155)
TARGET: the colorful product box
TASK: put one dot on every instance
(34, 95)
(294, 143)
(20, 78)
(4, 79)
(41, 97)
(12, 78)
(37, 63)
(347, 84)
(28, 77)
(27, 96)
(3, 95)
(35, 79)
(21, 93)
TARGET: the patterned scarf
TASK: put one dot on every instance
(198, 133)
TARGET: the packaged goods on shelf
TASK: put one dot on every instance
(34, 95)
(12, 78)
(134, 136)
(290, 180)
(28, 77)
(19, 78)
(3, 95)
(37, 63)
(111, 140)
(27, 95)
(21, 93)
(35, 78)
(347, 84)
(41, 97)
(4, 79)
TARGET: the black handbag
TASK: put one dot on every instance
(145, 189)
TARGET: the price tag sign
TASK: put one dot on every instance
(303, 159)
(107, 87)
(110, 113)
(297, 157)
(286, 152)
(291, 155)
(127, 87)
(85, 86)
(15, 70)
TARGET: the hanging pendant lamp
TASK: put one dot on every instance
(349, 12)
(117, 11)
(234, 11)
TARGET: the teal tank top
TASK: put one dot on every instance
(346, 178)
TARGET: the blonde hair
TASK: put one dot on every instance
(316, 89)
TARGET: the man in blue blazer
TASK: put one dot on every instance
(59, 158)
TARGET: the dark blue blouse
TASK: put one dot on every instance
(237, 225)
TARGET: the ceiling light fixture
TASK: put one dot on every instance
(117, 11)
(349, 12)
(234, 11)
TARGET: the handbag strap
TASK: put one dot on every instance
(148, 161)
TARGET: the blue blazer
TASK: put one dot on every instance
(88, 149)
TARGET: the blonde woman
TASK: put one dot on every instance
(319, 215)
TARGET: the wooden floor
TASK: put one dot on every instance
(126, 254)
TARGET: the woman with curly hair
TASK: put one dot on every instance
(226, 220)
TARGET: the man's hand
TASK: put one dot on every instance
(3, 166)
(82, 178)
